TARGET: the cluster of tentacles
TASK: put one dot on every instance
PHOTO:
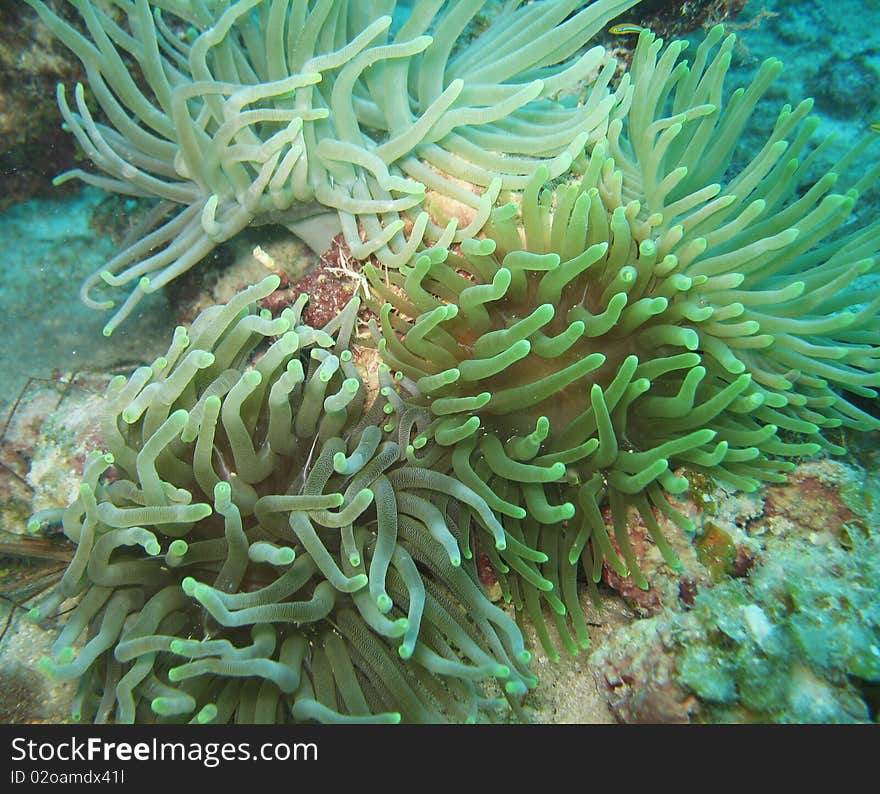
(254, 546)
(654, 316)
(323, 116)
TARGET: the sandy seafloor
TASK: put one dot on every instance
(831, 50)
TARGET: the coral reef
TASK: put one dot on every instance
(794, 641)
(656, 312)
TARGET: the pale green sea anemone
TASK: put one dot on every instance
(661, 313)
(255, 548)
(323, 116)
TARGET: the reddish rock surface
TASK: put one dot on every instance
(810, 502)
(636, 673)
(330, 286)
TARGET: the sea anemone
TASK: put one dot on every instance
(664, 312)
(254, 548)
(321, 116)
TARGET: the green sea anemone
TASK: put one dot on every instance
(664, 312)
(321, 115)
(254, 548)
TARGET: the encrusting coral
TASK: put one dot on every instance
(796, 642)
(254, 548)
(659, 313)
(323, 117)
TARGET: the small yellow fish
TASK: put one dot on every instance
(625, 29)
(874, 126)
